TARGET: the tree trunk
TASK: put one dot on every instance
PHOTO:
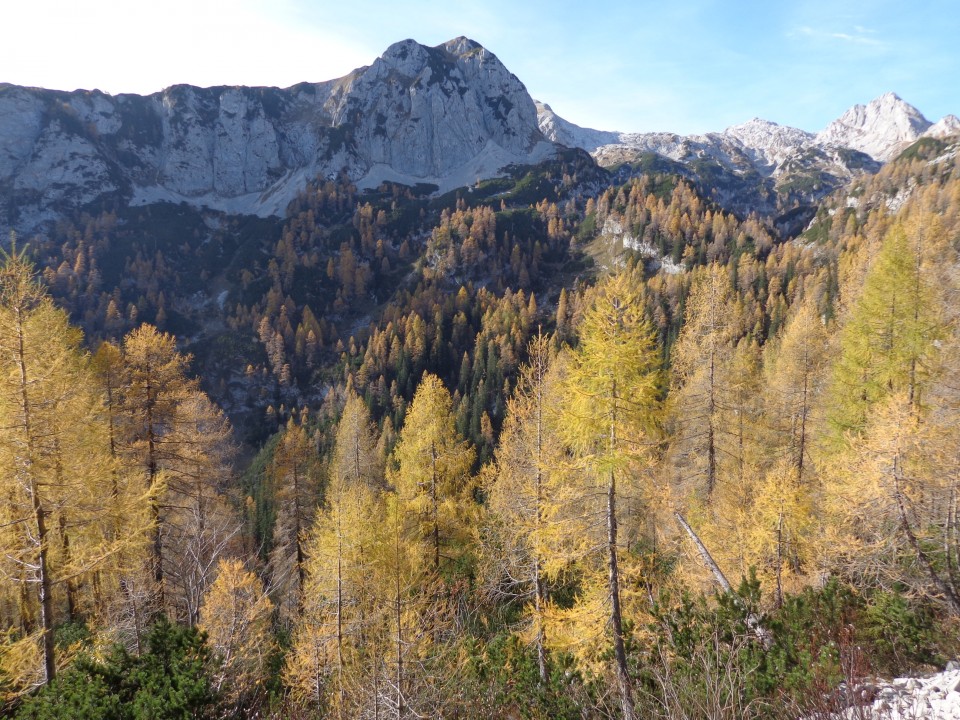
(297, 531)
(45, 589)
(705, 555)
(399, 700)
(780, 558)
(71, 583)
(340, 611)
(949, 593)
(753, 622)
(802, 450)
(537, 576)
(152, 467)
(616, 618)
(711, 439)
(435, 507)
(914, 393)
(44, 580)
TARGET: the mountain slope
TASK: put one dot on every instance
(566, 133)
(446, 115)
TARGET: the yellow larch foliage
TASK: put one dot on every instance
(236, 616)
(432, 471)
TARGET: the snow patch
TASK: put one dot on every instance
(668, 266)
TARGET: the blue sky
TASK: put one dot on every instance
(636, 66)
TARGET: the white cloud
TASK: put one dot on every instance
(859, 36)
(858, 39)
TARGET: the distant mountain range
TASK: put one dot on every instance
(445, 116)
(879, 129)
(760, 164)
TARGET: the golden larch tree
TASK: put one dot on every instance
(432, 470)
(236, 617)
(55, 528)
(613, 391)
(517, 537)
(296, 478)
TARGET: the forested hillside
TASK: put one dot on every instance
(548, 446)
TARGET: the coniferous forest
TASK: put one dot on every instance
(563, 444)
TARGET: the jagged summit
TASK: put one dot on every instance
(412, 55)
(411, 59)
(758, 127)
(463, 46)
(406, 54)
(880, 128)
(444, 115)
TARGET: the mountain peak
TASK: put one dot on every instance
(892, 103)
(944, 127)
(410, 58)
(752, 126)
(880, 128)
(462, 46)
(409, 52)
(442, 115)
(767, 141)
(407, 56)
(401, 48)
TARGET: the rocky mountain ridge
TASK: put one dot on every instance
(759, 165)
(863, 136)
(445, 116)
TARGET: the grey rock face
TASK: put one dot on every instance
(21, 117)
(221, 143)
(445, 115)
(881, 128)
(425, 112)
